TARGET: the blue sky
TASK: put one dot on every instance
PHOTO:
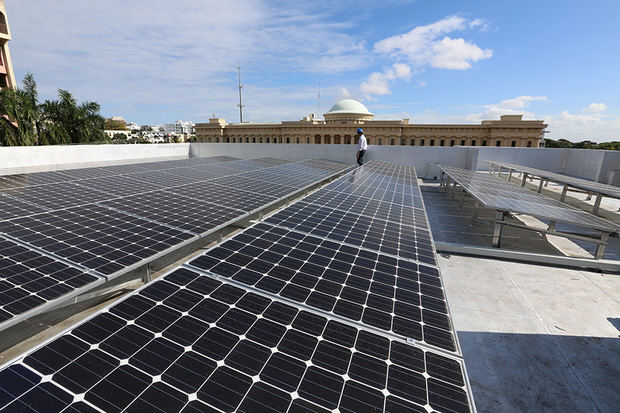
(428, 60)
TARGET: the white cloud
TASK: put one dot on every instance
(595, 125)
(456, 54)
(430, 45)
(595, 108)
(514, 106)
(378, 83)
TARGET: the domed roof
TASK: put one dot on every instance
(349, 106)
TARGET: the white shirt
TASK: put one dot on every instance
(361, 144)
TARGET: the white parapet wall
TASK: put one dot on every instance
(25, 159)
(589, 164)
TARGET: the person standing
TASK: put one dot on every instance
(362, 147)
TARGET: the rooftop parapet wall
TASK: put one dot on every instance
(589, 164)
(26, 159)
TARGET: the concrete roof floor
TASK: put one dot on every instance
(534, 338)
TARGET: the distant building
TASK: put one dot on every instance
(133, 126)
(7, 76)
(179, 128)
(111, 133)
(346, 116)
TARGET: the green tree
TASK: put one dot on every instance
(67, 122)
(21, 114)
(610, 146)
(23, 121)
(115, 125)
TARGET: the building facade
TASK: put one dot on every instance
(346, 116)
(7, 76)
(179, 128)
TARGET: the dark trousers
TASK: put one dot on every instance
(360, 158)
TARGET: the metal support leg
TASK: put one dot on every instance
(600, 250)
(219, 236)
(499, 171)
(462, 201)
(540, 186)
(447, 183)
(497, 231)
(148, 276)
(509, 175)
(524, 179)
(442, 176)
(589, 197)
(453, 190)
(551, 226)
(597, 204)
(564, 191)
(260, 215)
(475, 214)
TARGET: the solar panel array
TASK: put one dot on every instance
(275, 320)
(102, 222)
(506, 196)
(191, 343)
(596, 187)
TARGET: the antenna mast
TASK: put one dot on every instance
(240, 101)
(318, 102)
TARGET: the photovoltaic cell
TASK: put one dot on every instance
(29, 279)
(392, 294)
(176, 211)
(12, 208)
(229, 197)
(190, 343)
(94, 236)
(56, 196)
(359, 230)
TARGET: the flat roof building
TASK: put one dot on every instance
(346, 116)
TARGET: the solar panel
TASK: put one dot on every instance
(389, 293)
(12, 208)
(358, 230)
(55, 196)
(190, 343)
(370, 208)
(118, 186)
(51, 177)
(30, 280)
(39, 178)
(229, 197)
(95, 237)
(506, 196)
(195, 216)
(596, 187)
(244, 182)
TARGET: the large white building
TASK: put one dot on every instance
(179, 128)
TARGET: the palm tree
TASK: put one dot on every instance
(67, 122)
(20, 122)
(23, 121)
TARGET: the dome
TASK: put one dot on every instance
(349, 106)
